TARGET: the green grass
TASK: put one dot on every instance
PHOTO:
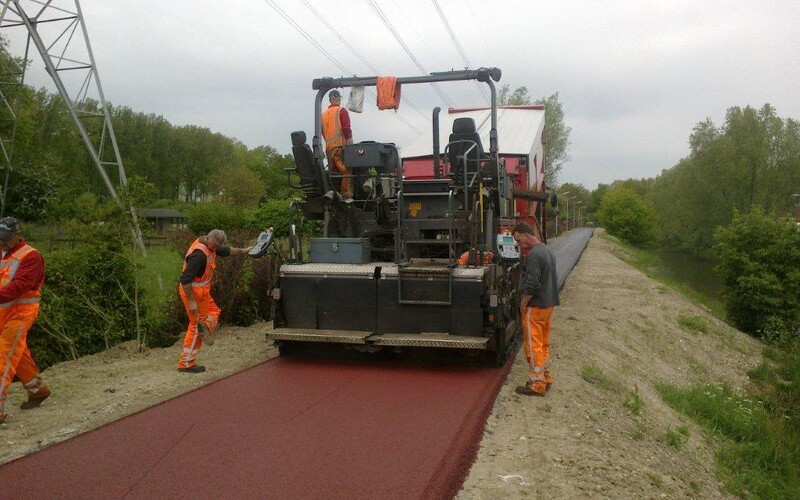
(159, 277)
(648, 262)
(757, 433)
(677, 438)
(634, 403)
(693, 324)
(594, 375)
(757, 453)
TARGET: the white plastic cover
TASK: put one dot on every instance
(356, 101)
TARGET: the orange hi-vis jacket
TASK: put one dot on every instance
(8, 269)
(211, 264)
(332, 128)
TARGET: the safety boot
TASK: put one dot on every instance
(205, 334)
(531, 389)
(193, 369)
(36, 398)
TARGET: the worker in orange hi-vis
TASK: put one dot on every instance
(21, 278)
(463, 261)
(337, 132)
(195, 291)
(539, 289)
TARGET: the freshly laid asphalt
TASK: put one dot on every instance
(288, 428)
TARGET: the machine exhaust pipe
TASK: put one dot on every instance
(437, 167)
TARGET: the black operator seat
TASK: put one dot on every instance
(464, 137)
(310, 174)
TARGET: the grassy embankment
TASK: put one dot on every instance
(756, 432)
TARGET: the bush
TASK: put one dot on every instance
(625, 215)
(87, 304)
(758, 255)
(275, 213)
(204, 217)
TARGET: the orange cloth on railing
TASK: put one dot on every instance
(388, 92)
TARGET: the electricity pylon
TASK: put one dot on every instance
(51, 27)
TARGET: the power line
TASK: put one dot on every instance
(457, 44)
(485, 41)
(327, 54)
(305, 34)
(399, 39)
(355, 51)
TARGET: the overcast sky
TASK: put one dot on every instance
(634, 77)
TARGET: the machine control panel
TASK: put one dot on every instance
(508, 248)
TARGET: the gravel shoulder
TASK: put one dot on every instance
(581, 440)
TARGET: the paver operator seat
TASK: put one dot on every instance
(464, 140)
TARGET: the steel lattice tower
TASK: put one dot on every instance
(57, 31)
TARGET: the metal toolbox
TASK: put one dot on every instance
(340, 250)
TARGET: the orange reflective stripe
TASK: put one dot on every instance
(332, 128)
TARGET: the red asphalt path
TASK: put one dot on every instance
(289, 429)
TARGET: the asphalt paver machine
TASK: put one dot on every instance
(385, 274)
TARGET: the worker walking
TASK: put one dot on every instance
(539, 290)
(195, 291)
(337, 132)
(21, 278)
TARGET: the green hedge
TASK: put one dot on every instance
(86, 304)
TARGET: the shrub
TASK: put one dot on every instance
(276, 213)
(204, 217)
(625, 215)
(273, 213)
(87, 304)
(758, 255)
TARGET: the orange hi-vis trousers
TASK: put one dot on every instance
(15, 357)
(536, 344)
(336, 161)
(207, 313)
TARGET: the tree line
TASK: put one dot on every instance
(50, 166)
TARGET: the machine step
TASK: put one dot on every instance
(429, 340)
(310, 335)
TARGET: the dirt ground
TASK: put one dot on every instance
(581, 440)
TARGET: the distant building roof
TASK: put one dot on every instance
(161, 213)
(519, 130)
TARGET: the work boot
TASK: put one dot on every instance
(193, 369)
(527, 390)
(205, 334)
(2, 417)
(548, 379)
(36, 398)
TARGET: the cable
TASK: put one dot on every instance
(399, 39)
(308, 37)
(485, 41)
(347, 44)
(327, 54)
(458, 46)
